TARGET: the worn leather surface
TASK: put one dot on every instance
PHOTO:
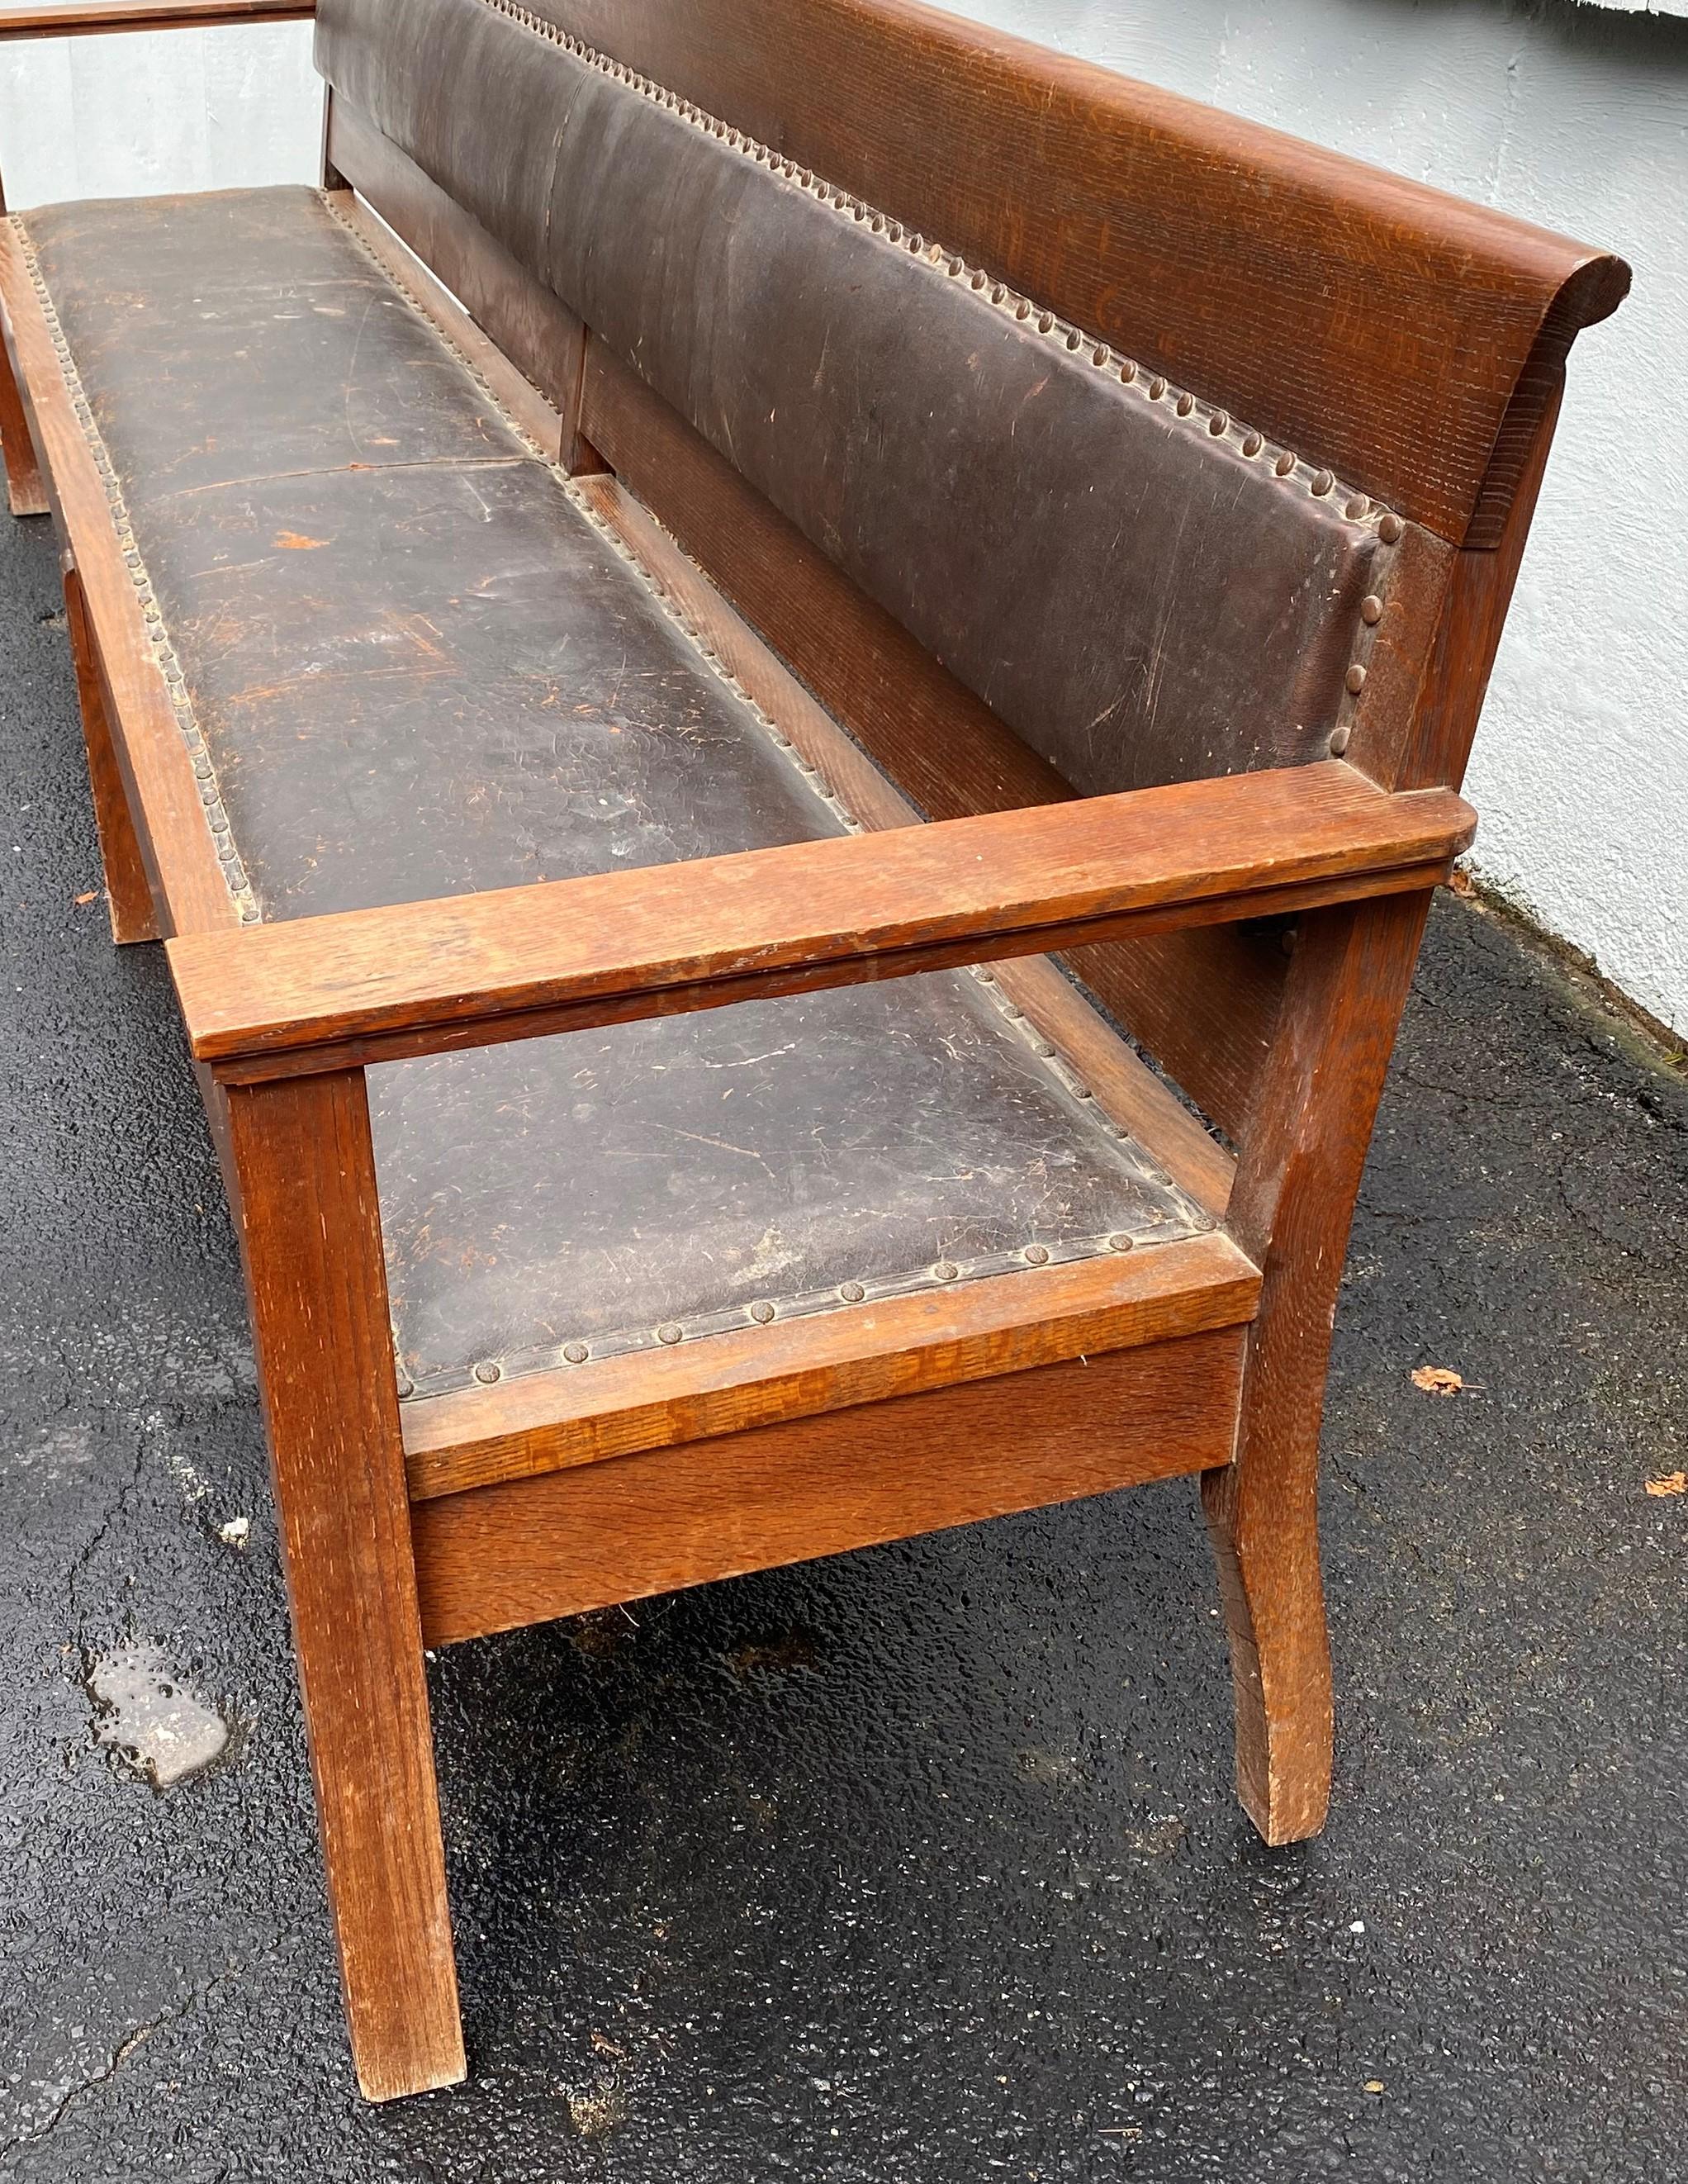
(419, 669)
(1138, 599)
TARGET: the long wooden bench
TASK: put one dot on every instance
(790, 680)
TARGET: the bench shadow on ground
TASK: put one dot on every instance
(921, 1864)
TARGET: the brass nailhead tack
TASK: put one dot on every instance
(1157, 387)
(1390, 527)
(1322, 481)
(574, 1353)
(1339, 740)
(1252, 443)
(946, 1270)
(761, 1311)
(1355, 679)
(1120, 1243)
(1038, 1254)
(1358, 507)
(407, 1387)
(1219, 423)
(668, 1332)
(1284, 463)
(487, 1372)
(1371, 607)
(1185, 403)
(851, 1292)
(1127, 370)
(1046, 322)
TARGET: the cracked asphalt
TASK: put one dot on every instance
(921, 1864)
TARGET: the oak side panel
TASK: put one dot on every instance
(311, 1240)
(503, 1556)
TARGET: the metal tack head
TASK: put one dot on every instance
(761, 1311)
(1219, 423)
(1371, 609)
(1252, 444)
(1037, 1255)
(668, 1332)
(574, 1353)
(851, 1292)
(1120, 1242)
(488, 1371)
(1157, 387)
(1284, 463)
(1390, 527)
(1339, 740)
(1354, 682)
(1184, 405)
(946, 1270)
(1322, 484)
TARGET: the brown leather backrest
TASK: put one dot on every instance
(1145, 588)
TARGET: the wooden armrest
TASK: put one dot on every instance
(66, 18)
(375, 985)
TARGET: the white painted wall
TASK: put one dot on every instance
(1569, 115)
(135, 114)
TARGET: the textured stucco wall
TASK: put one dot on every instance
(1576, 117)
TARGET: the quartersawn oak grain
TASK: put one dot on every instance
(310, 1236)
(755, 1376)
(1397, 334)
(503, 1556)
(832, 910)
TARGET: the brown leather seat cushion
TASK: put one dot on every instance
(418, 668)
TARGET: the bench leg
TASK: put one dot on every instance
(1297, 1177)
(311, 1236)
(26, 488)
(128, 890)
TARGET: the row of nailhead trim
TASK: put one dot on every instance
(170, 667)
(1321, 483)
(763, 1312)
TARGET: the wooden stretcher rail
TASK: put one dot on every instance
(76, 17)
(373, 985)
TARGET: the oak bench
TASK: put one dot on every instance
(790, 680)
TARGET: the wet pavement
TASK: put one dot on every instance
(920, 1865)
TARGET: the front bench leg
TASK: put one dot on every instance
(311, 1236)
(1298, 1173)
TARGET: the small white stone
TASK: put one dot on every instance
(235, 1533)
(1357, 1926)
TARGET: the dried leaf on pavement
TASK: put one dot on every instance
(1437, 1381)
(1672, 1482)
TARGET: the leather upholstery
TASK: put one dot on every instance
(419, 669)
(1136, 596)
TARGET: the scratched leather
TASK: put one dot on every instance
(1139, 601)
(420, 671)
